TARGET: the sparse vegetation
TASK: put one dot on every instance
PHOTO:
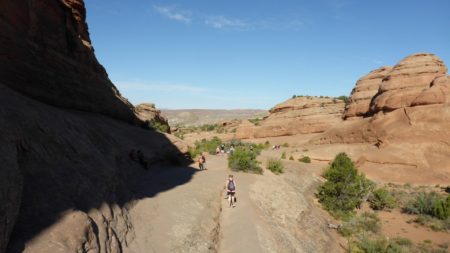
(283, 155)
(366, 222)
(431, 203)
(291, 158)
(285, 145)
(305, 159)
(244, 159)
(381, 199)
(275, 165)
(344, 98)
(345, 188)
(157, 126)
(204, 145)
(256, 121)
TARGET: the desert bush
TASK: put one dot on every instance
(157, 126)
(283, 155)
(255, 121)
(364, 223)
(291, 158)
(381, 199)
(244, 160)
(429, 203)
(275, 165)
(305, 159)
(285, 145)
(345, 187)
(344, 98)
(205, 145)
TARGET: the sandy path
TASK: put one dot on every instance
(194, 217)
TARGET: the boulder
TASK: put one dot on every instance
(150, 115)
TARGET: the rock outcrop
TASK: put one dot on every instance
(66, 175)
(46, 54)
(406, 81)
(407, 122)
(366, 88)
(299, 115)
(149, 114)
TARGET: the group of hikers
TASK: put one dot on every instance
(220, 150)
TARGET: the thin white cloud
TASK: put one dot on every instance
(174, 14)
(160, 87)
(224, 22)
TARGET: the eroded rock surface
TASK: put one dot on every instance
(300, 115)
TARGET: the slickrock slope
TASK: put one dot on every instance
(362, 94)
(46, 54)
(298, 115)
(410, 122)
(147, 113)
(66, 177)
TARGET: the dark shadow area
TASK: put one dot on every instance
(72, 160)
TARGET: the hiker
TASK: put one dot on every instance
(230, 185)
(217, 150)
(203, 158)
(222, 149)
(200, 163)
(231, 150)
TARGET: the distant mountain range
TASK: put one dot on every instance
(196, 117)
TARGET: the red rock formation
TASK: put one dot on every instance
(409, 123)
(364, 91)
(300, 115)
(406, 81)
(46, 54)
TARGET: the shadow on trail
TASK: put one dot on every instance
(62, 160)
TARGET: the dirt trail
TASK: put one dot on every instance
(273, 214)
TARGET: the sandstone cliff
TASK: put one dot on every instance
(66, 177)
(299, 115)
(407, 121)
(46, 54)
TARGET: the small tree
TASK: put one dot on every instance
(345, 188)
(381, 199)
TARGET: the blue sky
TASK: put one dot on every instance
(256, 53)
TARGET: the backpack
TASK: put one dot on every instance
(231, 185)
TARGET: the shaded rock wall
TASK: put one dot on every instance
(46, 54)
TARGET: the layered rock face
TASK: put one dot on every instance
(46, 54)
(300, 115)
(406, 81)
(366, 88)
(148, 113)
(66, 177)
(407, 122)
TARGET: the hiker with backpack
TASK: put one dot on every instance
(230, 185)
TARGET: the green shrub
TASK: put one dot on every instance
(291, 158)
(255, 121)
(345, 187)
(283, 155)
(366, 222)
(285, 145)
(204, 145)
(430, 203)
(179, 135)
(244, 160)
(275, 165)
(381, 199)
(157, 126)
(305, 159)
(344, 98)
